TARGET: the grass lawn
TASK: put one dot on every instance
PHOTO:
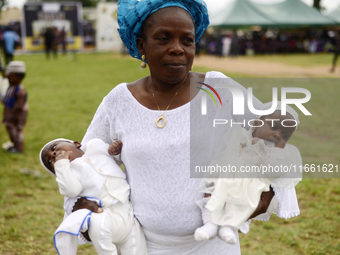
(303, 60)
(64, 95)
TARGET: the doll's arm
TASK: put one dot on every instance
(68, 183)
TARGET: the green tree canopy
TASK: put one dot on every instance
(2, 4)
(85, 3)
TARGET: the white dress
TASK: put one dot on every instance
(235, 198)
(158, 162)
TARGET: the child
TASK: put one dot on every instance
(233, 200)
(94, 174)
(16, 106)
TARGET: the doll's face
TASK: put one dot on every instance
(51, 152)
(274, 131)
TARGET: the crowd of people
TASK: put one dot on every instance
(52, 38)
(271, 41)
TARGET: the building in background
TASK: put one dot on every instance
(38, 17)
(107, 37)
(10, 15)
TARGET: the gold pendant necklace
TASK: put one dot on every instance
(162, 117)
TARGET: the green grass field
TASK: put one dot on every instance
(64, 95)
(303, 60)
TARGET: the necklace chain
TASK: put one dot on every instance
(162, 117)
(153, 94)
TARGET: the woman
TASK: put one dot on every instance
(152, 118)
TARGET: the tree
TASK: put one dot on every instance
(85, 3)
(2, 4)
(317, 4)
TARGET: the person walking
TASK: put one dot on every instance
(10, 38)
(336, 51)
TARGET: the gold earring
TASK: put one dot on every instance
(192, 67)
(143, 64)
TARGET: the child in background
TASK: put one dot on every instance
(234, 199)
(16, 106)
(90, 171)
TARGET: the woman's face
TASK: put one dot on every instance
(169, 44)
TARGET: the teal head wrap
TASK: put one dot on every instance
(131, 15)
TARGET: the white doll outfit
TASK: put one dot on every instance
(235, 198)
(96, 175)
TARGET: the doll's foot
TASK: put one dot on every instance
(206, 232)
(226, 233)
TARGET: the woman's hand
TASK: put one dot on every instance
(265, 199)
(83, 203)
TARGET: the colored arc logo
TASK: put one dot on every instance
(209, 93)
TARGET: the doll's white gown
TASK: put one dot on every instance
(234, 199)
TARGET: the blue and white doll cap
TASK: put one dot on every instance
(289, 110)
(47, 144)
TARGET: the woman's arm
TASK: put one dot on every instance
(83, 203)
(266, 198)
(100, 126)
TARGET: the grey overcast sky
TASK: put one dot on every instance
(214, 5)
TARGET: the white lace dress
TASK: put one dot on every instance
(157, 163)
(235, 198)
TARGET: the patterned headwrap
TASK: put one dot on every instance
(131, 15)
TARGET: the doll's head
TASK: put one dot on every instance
(52, 150)
(276, 127)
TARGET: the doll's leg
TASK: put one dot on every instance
(209, 229)
(100, 232)
(134, 243)
(227, 234)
